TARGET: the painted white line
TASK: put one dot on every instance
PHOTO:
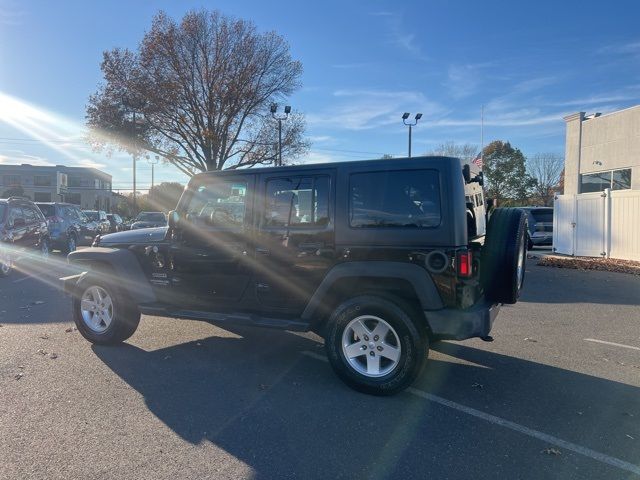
(587, 452)
(611, 343)
(21, 279)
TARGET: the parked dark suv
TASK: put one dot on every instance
(378, 257)
(22, 228)
(100, 217)
(116, 222)
(68, 226)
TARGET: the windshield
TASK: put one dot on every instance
(92, 215)
(47, 210)
(157, 217)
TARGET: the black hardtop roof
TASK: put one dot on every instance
(379, 164)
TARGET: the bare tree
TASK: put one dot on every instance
(198, 93)
(547, 170)
(464, 151)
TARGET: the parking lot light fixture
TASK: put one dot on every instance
(280, 118)
(406, 115)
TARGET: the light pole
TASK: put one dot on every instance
(133, 105)
(405, 115)
(279, 118)
(153, 161)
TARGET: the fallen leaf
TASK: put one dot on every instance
(21, 367)
(627, 435)
(552, 451)
(37, 302)
(263, 386)
(18, 376)
(42, 352)
(527, 339)
(198, 344)
(477, 385)
(44, 337)
(70, 329)
(580, 413)
(53, 356)
(167, 357)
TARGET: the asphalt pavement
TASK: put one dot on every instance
(556, 395)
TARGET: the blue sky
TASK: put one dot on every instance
(528, 63)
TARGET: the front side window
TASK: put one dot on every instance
(297, 201)
(219, 202)
(401, 199)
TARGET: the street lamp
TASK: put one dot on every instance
(405, 115)
(153, 161)
(279, 118)
(133, 105)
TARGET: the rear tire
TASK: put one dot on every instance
(103, 314)
(374, 346)
(504, 255)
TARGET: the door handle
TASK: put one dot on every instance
(262, 251)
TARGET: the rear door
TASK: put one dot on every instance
(295, 238)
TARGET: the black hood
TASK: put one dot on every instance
(143, 235)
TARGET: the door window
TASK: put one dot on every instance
(30, 215)
(219, 202)
(299, 201)
(14, 213)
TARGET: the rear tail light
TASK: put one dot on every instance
(465, 263)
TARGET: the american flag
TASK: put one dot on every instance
(478, 160)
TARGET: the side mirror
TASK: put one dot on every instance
(173, 219)
(466, 173)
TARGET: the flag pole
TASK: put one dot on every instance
(482, 134)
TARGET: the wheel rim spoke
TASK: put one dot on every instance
(96, 308)
(381, 330)
(355, 350)
(390, 352)
(360, 329)
(373, 364)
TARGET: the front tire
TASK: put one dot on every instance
(374, 346)
(102, 314)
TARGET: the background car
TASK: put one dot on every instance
(149, 220)
(22, 227)
(117, 224)
(540, 230)
(100, 217)
(68, 225)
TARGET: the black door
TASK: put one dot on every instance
(211, 251)
(295, 238)
(18, 229)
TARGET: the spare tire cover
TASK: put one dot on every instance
(504, 255)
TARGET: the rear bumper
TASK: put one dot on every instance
(454, 324)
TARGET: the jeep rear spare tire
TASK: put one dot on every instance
(504, 255)
(374, 346)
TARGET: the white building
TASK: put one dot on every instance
(599, 213)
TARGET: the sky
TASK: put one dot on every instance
(365, 63)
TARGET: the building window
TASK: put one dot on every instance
(73, 198)
(400, 199)
(11, 180)
(613, 179)
(74, 181)
(42, 181)
(297, 202)
(41, 197)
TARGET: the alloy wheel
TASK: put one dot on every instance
(97, 310)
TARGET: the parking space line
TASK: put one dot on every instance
(579, 449)
(611, 343)
(20, 280)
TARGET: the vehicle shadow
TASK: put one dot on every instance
(564, 285)
(283, 413)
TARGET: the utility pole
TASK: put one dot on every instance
(405, 115)
(153, 163)
(280, 118)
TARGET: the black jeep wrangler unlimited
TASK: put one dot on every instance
(379, 257)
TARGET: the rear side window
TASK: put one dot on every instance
(400, 199)
(298, 201)
(47, 210)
